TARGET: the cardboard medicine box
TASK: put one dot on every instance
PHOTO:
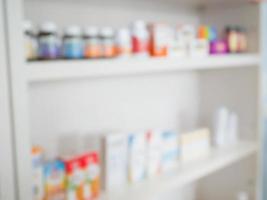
(38, 175)
(54, 175)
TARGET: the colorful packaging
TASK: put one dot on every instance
(159, 39)
(137, 156)
(170, 150)
(91, 166)
(218, 47)
(195, 145)
(154, 153)
(75, 178)
(38, 175)
(54, 173)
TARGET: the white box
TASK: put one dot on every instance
(112, 148)
(199, 48)
(170, 150)
(137, 156)
(195, 145)
(154, 152)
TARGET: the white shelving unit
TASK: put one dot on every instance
(186, 173)
(50, 99)
(63, 70)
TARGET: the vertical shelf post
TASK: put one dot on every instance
(19, 98)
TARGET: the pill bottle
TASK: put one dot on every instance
(232, 39)
(73, 43)
(92, 47)
(107, 42)
(242, 40)
(123, 43)
(30, 41)
(49, 41)
(140, 39)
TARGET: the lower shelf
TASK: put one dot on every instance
(185, 173)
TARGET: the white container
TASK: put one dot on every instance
(199, 48)
(170, 150)
(123, 43)
(137, 156)
(140, 39)
(195, 145)
(112, 148)
(154, 152)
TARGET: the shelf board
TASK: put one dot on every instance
(41, 71)
(185, 173)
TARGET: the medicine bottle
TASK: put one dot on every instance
(242, 40)
(232, 39)
(30, 41)
(49, 41)
(123, 43)
(73, 43)
(92, 47)
(107, 42)
(140, 39)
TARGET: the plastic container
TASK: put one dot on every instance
(30, 41)
(49, 42)
(123, 43)
(107, 42)
(73, 43)
(140, 39)
(232, 39)
(92, 46)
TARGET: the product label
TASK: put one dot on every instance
(49, 47)
(73, 48)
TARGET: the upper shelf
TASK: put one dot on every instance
(77, 69)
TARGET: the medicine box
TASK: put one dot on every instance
(199, 48)
(154, 152)
(54, 175)
(170, 150)
(91, 167)
(137, 156)
(75, 178)
(113, 153)
(195, 145)
(160, 35)
(38, 176)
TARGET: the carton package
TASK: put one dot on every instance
(195, 145)
(160, 35)
(170, 150)
(154, 152)
(137, 156)
(90, 164)
(54, 175)
(113, 154)
(199, 48)
(38, 176)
